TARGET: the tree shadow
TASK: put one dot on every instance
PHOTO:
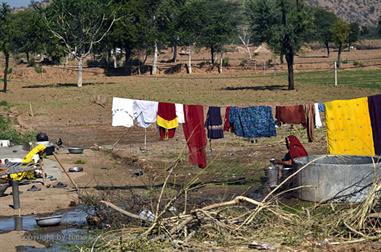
(258, 88)
(63, 85)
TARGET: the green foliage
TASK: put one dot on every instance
(209, 23)
(80, 162)
(284, 24)
(354, 33)
(243, 63)
(323, 23)
(358, 64)
(225, 62)
(340, 32)
(38, 68)
(9, 133)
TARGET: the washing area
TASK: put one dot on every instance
(72, 230)
(340, 178)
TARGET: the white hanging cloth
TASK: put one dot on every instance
(180, 112)
(318, 123)
(145, 112)
(122, 112)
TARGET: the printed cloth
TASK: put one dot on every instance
(145, 112)
(374, 103)
(122, 112)
(292, 114)
(213, 123)
(349, 130)
(195, 136)
(252, 122)
(318, 123)
(167, 120)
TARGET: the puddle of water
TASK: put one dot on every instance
(70, 231)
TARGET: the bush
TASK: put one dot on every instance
(39, 69)
(358, 64)
(225, 62)
(7, 132)
(243, 63)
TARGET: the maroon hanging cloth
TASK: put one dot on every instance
(167, 120)
(296, 148)
(226, 120)
(195, 135)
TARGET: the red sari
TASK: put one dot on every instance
(195, 135)
(296, 148)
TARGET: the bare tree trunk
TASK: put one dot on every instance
(339, 56)
(154, 67)
(221, 61)
(246, 44)
(6, 55)
(114, 59)
(66, 60)
(212, 54)
(27, 57)
(174, 56)
(281, 58)
(327, 47)
(190, 59)
(290, 68)
(80, 72)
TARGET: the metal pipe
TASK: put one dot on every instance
(15, 194)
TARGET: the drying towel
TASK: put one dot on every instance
(180, 112)
(195, 136)
(227, 119)
(145, 112)
(310, 120)
(213, 123)
(122, 112)
(374, 103)
(293, 114)
(252, 122)
(318, 123)
(167, 120)
(349, 130)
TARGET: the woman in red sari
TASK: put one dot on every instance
(295, 150)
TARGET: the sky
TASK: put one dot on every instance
(17, 3)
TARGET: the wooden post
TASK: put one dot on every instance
(264, 68)
(335, 73)
(15, 194)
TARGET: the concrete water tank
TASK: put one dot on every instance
(341, 178)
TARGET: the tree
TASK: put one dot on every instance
(80, 25)
(354, 34)
(29, 33)
(6, 36)
(324, 21)
(379, 26)
(284, 24)
(340, 32)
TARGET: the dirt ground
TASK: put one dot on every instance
(51, 103)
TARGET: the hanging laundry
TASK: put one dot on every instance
(252, 122)
(195, 134)
(180, 112)
(374, 103)
(321, 107)
(167, 120)
(122, 112)
(349, 129)
(318, 123)
(145, 112)
(227, 120)
(310, 121)
(293, 114)
(213, 123)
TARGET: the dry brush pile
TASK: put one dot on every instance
(242, 220)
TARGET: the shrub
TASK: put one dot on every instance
(225, 62)
(243, 63)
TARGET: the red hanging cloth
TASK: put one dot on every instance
(167, 120)
(195, 135)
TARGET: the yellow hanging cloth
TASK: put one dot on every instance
(349, 130)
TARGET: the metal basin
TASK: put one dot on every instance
(54, 220)
(75, 150)
(75, 169)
